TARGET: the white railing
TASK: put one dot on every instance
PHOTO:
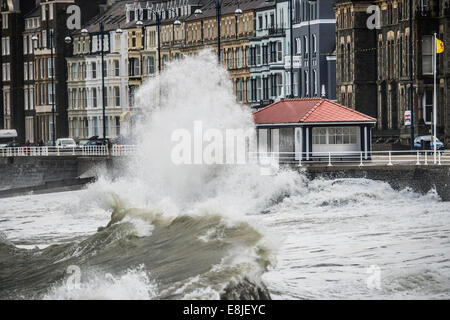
(359, 158)
(116, 150)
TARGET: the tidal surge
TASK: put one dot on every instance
(177, 231)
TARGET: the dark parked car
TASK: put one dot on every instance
(96, 141)
(13, 144)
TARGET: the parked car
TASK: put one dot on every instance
(96, 141)
(66, 143)
(13, 144)
(7, 137)
(83, 142)
(427, 143)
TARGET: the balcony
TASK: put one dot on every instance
(276, 32)
(297, 62)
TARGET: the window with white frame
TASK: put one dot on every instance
(314, 44)
(335, 135)
(279, 51)
(298, 42)
(305, 44)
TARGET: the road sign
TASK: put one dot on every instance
(407, 117)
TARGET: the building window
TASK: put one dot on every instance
(314, 43)
(25, 97)
(116, 68)
(117, 96)
(258, 55)
(239, 57)
(341, 135)
(427, 55)
(230, 58)
(314, 79)
(94, 97)
(95, 126)
(265, 55)
(239, 90)
(298, 42)
(25, 71)
(94, 70)
(428, 106)
(305, 44)
(279, 51)
(74, 71)
(50, 67)
(319, 135)
(151, 65)
(117, 119)
(51, 95)
(258, 88)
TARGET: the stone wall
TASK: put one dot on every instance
(420, 179)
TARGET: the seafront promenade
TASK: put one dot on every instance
(49, 169)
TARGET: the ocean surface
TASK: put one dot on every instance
(325, 240)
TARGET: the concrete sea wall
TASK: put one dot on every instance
(419, 178)
(19, 175)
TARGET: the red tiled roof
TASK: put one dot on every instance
(305, 110)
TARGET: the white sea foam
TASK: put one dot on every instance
(134, 284)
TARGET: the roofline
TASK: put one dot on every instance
(315, 123)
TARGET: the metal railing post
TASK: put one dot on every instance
(329, 159)
(426, 158)
(361, 164)
(390, 159)
(418, 159)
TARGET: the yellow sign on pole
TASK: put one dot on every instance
(439, 46)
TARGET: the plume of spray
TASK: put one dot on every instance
(195, 89)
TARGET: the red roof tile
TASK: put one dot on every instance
(306, 110)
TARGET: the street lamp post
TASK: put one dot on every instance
(35, 39)
(1, 71)
(311, 3)
(218, 5)
(84, 32)
(291, 30)
(411, 76)
(53, 86)
(158, 30)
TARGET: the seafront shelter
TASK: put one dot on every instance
(312, 128)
